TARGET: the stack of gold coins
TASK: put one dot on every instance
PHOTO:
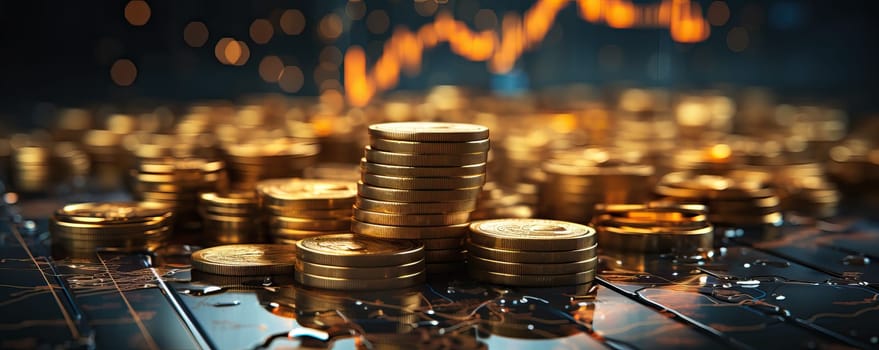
(744, 200)
(123, 226)
(231, 217)
(354, 262)
(531, 252)
(421, 181)
(105, 150)
(32, 168)
(681, 229)
(299, 208)
(578, 179)
(243, 260)
(178, 182)
(268, 159)
(805, 189)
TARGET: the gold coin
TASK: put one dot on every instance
(360, 272)
(531, 234)
(531, 269)
(360, 284)
(413, 208)
(343, 213)
(429, 131)
(237, 199)
(680, 239)
(532, 280)
(413, 147)
(520, 256)
(358, 251)
(416, 196)
(300, 234)
(109, 213)
(423, 183)
(413, 171)
(687, 185)
(445, 255)
(427, 160)
(443, 243)
(246, 259)
(296, 193)
(404, 232)
(446, 219)
(174, 166)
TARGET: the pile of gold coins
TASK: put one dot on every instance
(232, 217)
(681, 229)
(178, 183)
(354, 262)
(733, 201)
(298, 208)
(531, 252)
(577, 180)
(421, 181)
(268, 159)
(84, 228)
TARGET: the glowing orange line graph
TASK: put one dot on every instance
(404, 50)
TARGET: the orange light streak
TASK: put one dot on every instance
(405, 49)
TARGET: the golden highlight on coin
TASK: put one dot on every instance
(246, 259)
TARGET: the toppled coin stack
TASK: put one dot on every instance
(531, 252)
(242, 260)
(268, 159)
(420, 181)
(231, 217)
(353, 262)
(681, 229)
(298, 208)
(84, 228)
(732, 201)
(577, 180)
(178, 183)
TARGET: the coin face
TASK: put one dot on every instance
(245, 259)
(531, 234)
(357, 251)
(429, 131)
(112, 212)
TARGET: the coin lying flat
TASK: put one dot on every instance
(453, 218)
(429, 131)
(428, 147)
(430, 160)
(536, 257)
(532, 234)
(413, 208)
(246, 259)
(421, 171)
(359, 272)
(417, 196)
(360, 251)
(403, 232)
(307, 193)
(109, 213)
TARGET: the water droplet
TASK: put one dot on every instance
(200, 290)
(530, 327)
(267, 281)
(431, 312)
(772, 263)
(857, 260)
(749, 283)
(726, 285)
(747, 265)
(780, 297)
(227, 303)
(358, 302)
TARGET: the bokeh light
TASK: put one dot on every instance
(291, 79)
(123, 72)
(378, 22)
(195, 34)
(261, 31)
(292, 22)
(737, 39)
(718, 13)
(270, 68)
(137, 12)
(355, 9)
(330, 27)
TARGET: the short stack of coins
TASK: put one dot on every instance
(81, 229)
(732, 201)
(178, 182)
(268, 159)
(231, 217)
(420, 181)
(680, 229)
(355, 262)
(31, 168)
(298, 208)
(576, 180)
(531, 252)
(236, 264)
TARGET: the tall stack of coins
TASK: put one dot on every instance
(81, 229)
(268, 159)
(578, 179)
(681, 229)
(245, 260)
(178, 182)
(229, 218)
(531, 252)
(738, 201)
(420, 181)
(299, 208)
(353, 262)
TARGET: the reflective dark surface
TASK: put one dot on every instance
(810, 285)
